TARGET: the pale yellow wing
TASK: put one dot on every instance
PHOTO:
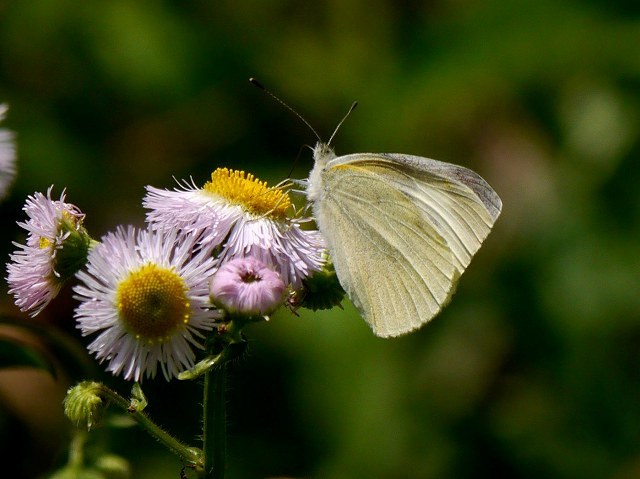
(400, 231)
(457, 202)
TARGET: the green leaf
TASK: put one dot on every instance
(15, 354)
(138, 399)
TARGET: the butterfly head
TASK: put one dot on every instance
(322, 154)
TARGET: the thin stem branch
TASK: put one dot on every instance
(190, 455)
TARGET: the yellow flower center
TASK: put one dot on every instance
(44, 242)
(247, 191)
(152, 303)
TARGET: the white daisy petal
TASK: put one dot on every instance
(146, 296)
(238, 216)
(39, 268)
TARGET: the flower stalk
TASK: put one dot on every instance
(214, 445)
(226, 346)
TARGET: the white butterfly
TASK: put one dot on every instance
(400, 229)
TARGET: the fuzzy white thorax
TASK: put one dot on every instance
(322, 155)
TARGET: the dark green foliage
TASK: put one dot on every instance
(532, 371)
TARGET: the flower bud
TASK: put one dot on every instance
(83, 404)
(247, 287)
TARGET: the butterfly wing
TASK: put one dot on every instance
(458, 202)
(401, 230)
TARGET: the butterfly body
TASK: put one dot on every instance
(400, 229)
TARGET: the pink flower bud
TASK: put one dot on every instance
(247, 286)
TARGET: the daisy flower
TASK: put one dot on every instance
(7, 155)
(237, 216)
(246, 286)
(146, 295)
(56, 248)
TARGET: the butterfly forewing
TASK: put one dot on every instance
(457, 202)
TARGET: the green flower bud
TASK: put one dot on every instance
(322, 290)
(84, 405)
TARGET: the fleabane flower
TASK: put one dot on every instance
(56, 248)
(7, 155)
(242, 217)
(247, 287)
(146, 295)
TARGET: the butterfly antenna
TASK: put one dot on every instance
(353, 107)
(255, 82)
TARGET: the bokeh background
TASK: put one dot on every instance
(534, 368)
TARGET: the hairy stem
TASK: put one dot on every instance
(190, 456)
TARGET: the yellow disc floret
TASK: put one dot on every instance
(245, 190)
(152, 303)
(44, 243)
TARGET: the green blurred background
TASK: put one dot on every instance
(532, 371)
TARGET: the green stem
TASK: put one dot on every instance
(189, 455)
(214, 423)
(76, 450)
